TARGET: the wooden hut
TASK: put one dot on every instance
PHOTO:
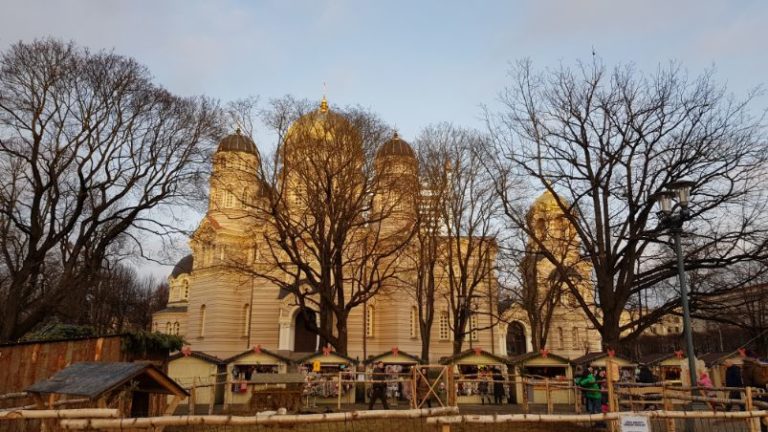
(672, 367)
(127, 386)
(599, 360)
(718, 362)
(398, 364)
(470, 366)
(243, 370)
(543, 367)
(324, 370)
(203, 372)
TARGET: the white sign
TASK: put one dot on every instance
(634, 424)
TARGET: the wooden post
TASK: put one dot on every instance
(525, 394)
(612, 404)
(192, 396)
(227, 392)
(212, 396)
(753, 424)
(338, 401)
(451, 386)
(667, 407)
(577, 399)
(550, 407)
(414, 397)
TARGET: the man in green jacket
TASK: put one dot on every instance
(591, 388)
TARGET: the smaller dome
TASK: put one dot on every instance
(183, 266)
(396, 147)
(237, 142)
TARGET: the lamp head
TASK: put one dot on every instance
(682, 188)
(665, 201)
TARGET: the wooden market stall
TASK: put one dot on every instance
(201, 372)
(398, 365)
(243, 371)
(324, 369)
(130, 387)
(717, 363)
(473, 366)
(543, 369)
(670, 367)
(598, 360)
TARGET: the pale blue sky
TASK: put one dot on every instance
(414, 63)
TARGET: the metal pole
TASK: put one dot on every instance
(686, 308)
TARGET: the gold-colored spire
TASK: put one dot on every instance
(324, 105)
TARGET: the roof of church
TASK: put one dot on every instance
(396, 146)
(237, 142)
(183, 266)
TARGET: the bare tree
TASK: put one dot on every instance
(465, 206)
(328, 216)
(90, 151)
(604, 143)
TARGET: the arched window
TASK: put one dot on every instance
(230, 197)
(186, 290)
(246, 319)
(168, 328)
(473, 333)
(176, 328)
(560, 338)
(576, 342)
(370, 320)
(443, 326)
(414, 322)
(202, 321)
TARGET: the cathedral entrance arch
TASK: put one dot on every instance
(516, 342)
(304, 340)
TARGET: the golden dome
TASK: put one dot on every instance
(396, 146)
(237, 142)
(546, 204)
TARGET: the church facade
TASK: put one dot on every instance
(223, 310)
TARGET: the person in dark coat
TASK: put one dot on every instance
(645, 375)
(498, 386)
(379, 386)
(733, 379)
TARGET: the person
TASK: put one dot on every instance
(602, 381)
(705, 382)
(733, 380)
(379, 386)
(591, 388)
(498, 386)
(645, 376)
(482, 386)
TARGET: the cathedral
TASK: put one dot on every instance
(224, 310)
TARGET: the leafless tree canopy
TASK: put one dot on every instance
(90, 150)
(604, 141)
(459, 228)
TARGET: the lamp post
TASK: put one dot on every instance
(673, 221)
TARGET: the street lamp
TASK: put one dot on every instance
(673, 221)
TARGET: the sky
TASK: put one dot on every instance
(412, 62)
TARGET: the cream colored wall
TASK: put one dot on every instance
(189, 370)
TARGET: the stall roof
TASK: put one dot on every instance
(389, 356)
(93, 379)
(718, 358)
(471, 352)
(524, 358)
(263, 351)
(199, 355)
(595, 356)
(331, 357)
(653, 359)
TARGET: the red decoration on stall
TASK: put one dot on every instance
(257, 349)
(395, 351)
(611, 352)
(544, 352)
(477, 350)
(742, 352)
(679, 354)
(186, 350)
(327, 350)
